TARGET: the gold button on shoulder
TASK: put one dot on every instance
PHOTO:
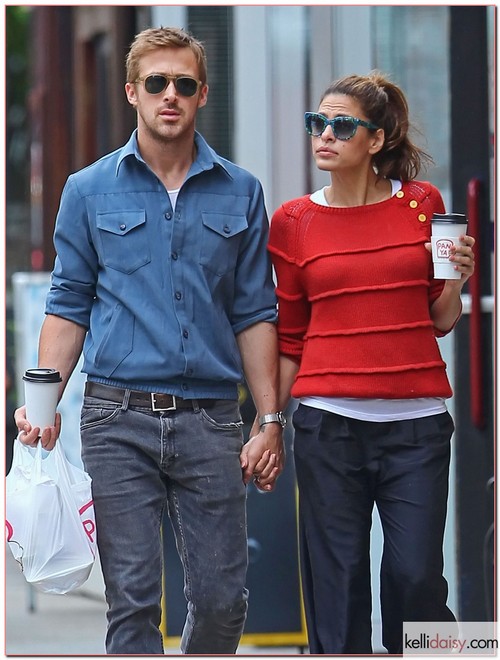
(400, 194)
(413, 204)
(422, 217)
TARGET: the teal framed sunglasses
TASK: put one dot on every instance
(344, 128)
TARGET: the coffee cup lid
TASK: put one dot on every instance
(453, 218)
(42, 376)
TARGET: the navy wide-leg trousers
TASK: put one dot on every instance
(344, 466)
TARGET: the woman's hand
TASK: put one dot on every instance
(462, 256)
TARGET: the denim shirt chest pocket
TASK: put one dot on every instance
(220, 241)
(124, 240)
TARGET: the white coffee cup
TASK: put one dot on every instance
(41, 389)
(446, 231)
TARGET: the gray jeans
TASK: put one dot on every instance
(188, 460)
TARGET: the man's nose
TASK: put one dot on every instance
(170, 90)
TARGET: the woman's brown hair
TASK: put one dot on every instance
(385, 105)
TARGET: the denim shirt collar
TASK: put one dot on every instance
(206, 157)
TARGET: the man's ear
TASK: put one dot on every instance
(131, 94)
(202, 101)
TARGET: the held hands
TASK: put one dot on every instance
(463, 258)
(30, 436)
(263, 456)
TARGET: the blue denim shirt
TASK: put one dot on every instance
(163, 292)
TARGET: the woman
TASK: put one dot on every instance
(359, 313)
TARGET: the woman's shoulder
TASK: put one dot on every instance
(423, 193)
(421, 189)
(286, 223)
(293, 215)
(293, 208)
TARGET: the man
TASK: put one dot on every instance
(162, 277)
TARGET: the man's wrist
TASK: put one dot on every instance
(272, 418)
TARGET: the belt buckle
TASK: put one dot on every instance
(157, 409)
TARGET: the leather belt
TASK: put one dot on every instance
(156, 401)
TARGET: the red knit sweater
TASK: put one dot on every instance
(354, 287)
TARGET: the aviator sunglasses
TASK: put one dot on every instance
(157, 82)
(344, 128)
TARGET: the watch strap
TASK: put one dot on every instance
(273, 417)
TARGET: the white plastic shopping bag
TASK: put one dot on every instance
(50, 523)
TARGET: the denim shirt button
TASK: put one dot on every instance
(178, 295)
(227, 229)
(185, 387)
(185, 334)
(175, 256)
(123, 227)
(168, 216)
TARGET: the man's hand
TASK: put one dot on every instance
(263, 457)
(30, 436)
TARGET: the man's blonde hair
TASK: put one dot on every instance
(153, 38)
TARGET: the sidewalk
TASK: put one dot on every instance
(74, 624)
(44, 624)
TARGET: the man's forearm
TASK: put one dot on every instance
(60, 346)
(263, 456)
(258, 346)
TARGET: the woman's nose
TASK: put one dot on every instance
(328, 133)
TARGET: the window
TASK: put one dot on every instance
(214, 27)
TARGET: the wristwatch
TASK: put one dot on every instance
(273, 417)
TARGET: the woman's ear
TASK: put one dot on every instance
(377, 141)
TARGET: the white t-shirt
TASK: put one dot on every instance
(173, 197)
(375, 410)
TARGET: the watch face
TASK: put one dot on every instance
(281, 419)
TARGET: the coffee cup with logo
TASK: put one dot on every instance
(446, 231)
